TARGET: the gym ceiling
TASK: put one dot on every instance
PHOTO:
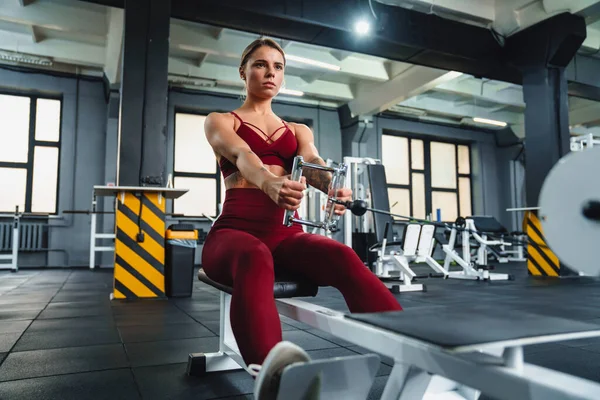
(407, 64)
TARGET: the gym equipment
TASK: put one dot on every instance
(367, 180)
(456, 353)
(570, 210)
(475, 227)
(417, 246)
(337, 182)
(459, 353)
(583, 142)
(146, 206)
(13, 257)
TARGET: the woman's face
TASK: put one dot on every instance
(263, 72)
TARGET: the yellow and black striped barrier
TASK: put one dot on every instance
(140, 246)
(541, 261)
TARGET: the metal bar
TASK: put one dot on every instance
(308, 223)
(105, 236)
(93, 235)
(317, 166)
(104, 248)
(15, 244)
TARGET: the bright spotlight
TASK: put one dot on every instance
(362, 27)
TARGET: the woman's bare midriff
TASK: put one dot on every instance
(236, 180)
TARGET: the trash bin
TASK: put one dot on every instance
(180, 250)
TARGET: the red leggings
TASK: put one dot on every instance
(249, 242)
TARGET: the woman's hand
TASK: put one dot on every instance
(343, 194)
(286, 193)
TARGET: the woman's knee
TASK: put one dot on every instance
(255, 259)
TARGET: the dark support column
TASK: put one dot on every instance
(546, 125)
(144, 91)
(542, 52)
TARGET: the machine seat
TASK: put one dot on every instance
(285, 286)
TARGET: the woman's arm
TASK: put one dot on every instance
(224, 141)
(307, 149)
(315, 177)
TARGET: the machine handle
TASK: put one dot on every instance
(288, 216)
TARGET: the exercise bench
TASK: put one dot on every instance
(455, 353)
(332, 375)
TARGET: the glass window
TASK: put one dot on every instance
(193, 153)
(447, 203)
(195, 168)
(418, 195)
(29, 153)
(47, 120)
(464, 191)
(399, 202)
(395, 159)
(45, 177)
(200, 199)
(16, 180)
(417, 154)
(464, 163)
(14, 135)
(443, 165)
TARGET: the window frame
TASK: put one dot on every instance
(32, 144)
(429, 189)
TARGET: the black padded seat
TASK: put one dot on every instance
(284, 288)
(488, 225)
(481, 325)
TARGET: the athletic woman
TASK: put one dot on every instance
(248, 244)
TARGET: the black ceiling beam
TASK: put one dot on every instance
(402, 34)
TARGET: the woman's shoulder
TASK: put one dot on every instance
(220, 119)
(220, 116)
(296, 127)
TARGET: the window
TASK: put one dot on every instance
(195, 168)
(425, 176)
(29, 153)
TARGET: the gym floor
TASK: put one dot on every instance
(62, 338)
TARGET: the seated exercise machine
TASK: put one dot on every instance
(367, 179)
(459, 353)
(477, 228)
(394, 268)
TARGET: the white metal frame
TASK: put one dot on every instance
(584, 142)
(357, 189)
(422, 369)
(119, 193)
(468, 267)
(95, 235)
(13, 257)
(395, 268)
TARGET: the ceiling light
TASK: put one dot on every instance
(313, 62)
(291, 92)
(490, 122)
(25, 58)
(362, 27)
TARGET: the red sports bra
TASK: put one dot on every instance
(280, 152)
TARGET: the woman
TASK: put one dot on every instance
(248, 243)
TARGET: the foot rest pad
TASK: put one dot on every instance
(330, 378)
